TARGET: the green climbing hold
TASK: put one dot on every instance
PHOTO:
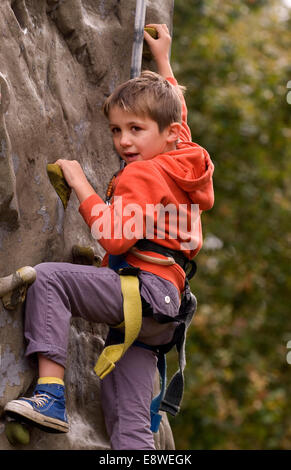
(146, 50)
(85, 255)
(58, 181)
(17, 433)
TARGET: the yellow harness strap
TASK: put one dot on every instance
(132, 309)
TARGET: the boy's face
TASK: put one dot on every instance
(137, 138)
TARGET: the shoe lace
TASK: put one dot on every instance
(40, 399)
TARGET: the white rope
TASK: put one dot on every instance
(139, 22)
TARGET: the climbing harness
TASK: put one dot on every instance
(169, 398)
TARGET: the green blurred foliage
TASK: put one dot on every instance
(234, 59)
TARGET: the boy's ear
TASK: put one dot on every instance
(174, 130)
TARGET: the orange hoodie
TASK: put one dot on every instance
(160, 199)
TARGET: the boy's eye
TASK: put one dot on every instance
(136, 128)
(114, 130)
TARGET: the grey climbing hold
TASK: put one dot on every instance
(13, 287)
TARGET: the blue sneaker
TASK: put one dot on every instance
(46, 408)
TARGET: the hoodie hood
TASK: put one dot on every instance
(191, 168)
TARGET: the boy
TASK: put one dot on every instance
(163, 166)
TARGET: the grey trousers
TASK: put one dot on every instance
(62, 290)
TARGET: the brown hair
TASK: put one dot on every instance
(148, 95)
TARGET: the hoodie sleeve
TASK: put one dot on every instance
(118, 226)
(185, 135)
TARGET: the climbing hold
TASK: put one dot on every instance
(9, 210)
(58, 181)
(17, 433)
(85, 255)
(146, 50)
(13, 287)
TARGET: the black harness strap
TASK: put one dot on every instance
(189, 266)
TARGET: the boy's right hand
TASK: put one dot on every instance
(76, 178)
(160, 48)
(72, 171)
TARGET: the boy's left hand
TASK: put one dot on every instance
(159, 47)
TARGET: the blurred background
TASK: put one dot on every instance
(234, 58)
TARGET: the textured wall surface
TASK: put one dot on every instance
(58, 61)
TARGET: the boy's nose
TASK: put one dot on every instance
(125, 140)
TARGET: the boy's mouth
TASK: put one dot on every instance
(131, 156)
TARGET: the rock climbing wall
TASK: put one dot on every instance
(59, 59)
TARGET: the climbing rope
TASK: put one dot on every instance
(139, 23)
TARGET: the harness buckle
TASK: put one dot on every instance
(129, 271)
